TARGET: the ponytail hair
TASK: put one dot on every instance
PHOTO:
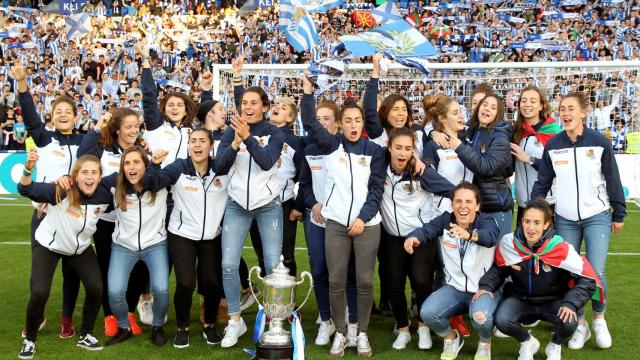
(411, 163)
(434, 107)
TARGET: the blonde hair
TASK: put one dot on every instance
(293, 107)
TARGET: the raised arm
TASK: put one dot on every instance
(238, 89)
(433, 182)
(29, 114)
(326, 141)
(152, 116)
(39, 192)
(91, 141)
(266, 156)
(372, 122)
(156, 178)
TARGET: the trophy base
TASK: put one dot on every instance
(273, 352)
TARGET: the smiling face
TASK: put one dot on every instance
(128, 131)
(475, 100)
(399, 114)
(134, 167)
(88, 177)
(327, 118)
(572, 115)
(175, 109)
(401, 151)
(488, 111)
(530, 106)
(253, 108)
(465, 206)
(199, 146)
(63, 117)
(352, 124)
(453, 122)
(533, 225)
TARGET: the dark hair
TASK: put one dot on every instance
(204, 130)
(396, 133)
(120, 197)
(482, 88)
(465, 185)
(110, 134)
(541, 205)
(580, 98)
(191, 109)
(475, 122)
(331, 105)
(518, 126)
(64, 99)
(350, 103)
(387, 105)
(263, 95)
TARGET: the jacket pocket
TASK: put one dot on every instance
(331, 193)
(179, 226)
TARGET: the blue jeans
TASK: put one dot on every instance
(156, 257)
(504, 220)
(237, 222)
(449, 301)
(320, 274)
(596, 232)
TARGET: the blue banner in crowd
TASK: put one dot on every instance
(65, 7)
(397, 39)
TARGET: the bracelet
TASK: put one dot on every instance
(27, 173)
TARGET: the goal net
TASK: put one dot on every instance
(612, 88)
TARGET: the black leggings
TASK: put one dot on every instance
(288, 240)
(70, 280)
(199, 261)
(420, 266)
(139, 278)
(43, 267)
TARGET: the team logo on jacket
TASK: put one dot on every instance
(217, 182)
(261, 142)
(591, 154)
(362, 161)
(546, 268)
(537, 142)
(97, 211)
(285, 148)
(407, 187)
(191, 188)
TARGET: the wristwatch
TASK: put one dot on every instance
(531, 160)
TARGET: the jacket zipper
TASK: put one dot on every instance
(530, 278)
(526, 173)
(179, 226)
(139, 222)
(204, 220)
(70, 158)
(331, 193)
(249, 180)
(575, 164)
(179, 144)
(84, 224)
(395, 213)
(351, 204)
(53, 238)
(462, 254)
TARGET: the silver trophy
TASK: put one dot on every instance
(279, 295)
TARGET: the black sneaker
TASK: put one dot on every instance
(28, 349)
(88, 342)
(157, 336)
(121, 336)
(181, 340)
(211, 335)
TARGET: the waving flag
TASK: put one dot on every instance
(363, 19)
(396, 39)
(78, 24)
(386, 13)
(318, 6)
(298, 27)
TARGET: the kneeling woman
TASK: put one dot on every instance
(467, 241)
(139, 234)
(200, 197)
(534, 294)
(65, 233)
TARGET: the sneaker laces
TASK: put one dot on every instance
(90, 338)
(363, 341)
(28, 345)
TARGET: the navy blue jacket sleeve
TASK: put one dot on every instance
(156, 178)
(32, 121)
(430, 153)
(581, 292)
(493, 279)
(488, 231)
(536, 163)
(89, 144)
(546, 174)
(371, 120)
(39, 192)
(206, 95)
(226, 155)
(298, 159)
(435, 183)
(376, 185)
(614, 185)
(497, 157)
(305, 187)
(266, 156)
(238, 92)
(152, 116)
(325, 140)
(433, 229)
(110, 181)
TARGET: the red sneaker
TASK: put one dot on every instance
(42, 323)
(457, 322)
(66, 327)
(135, 328)
(110, 326)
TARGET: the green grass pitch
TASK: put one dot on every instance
(622, 314)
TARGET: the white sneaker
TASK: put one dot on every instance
(424, 338)
(498, 333)
(145, 310)
(529, 348)
(451, 348)
(324, 333)
(352, 335)
(232, 332)
(404, 337)
(580, 337)
(338, 346)
(483, 352)
(318, 320)
(364, 348)
(246, 299)
(603, 337)
(553, 351)
(532, 325)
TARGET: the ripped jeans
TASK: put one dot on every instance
(449, 301)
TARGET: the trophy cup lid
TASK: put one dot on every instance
(280, 277)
